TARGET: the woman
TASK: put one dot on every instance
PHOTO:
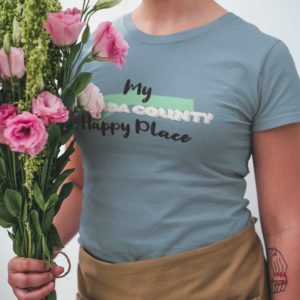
(163, 215)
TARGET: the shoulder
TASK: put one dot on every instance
(253, 43)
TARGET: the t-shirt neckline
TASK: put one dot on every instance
(142, 36)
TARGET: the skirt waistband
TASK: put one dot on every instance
(229, 245)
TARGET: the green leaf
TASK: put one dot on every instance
(65, 191)
(36, 221)
(25, 208)
(4, 224)
(11, 235)
(13, 202)
(17, 243)
(54, 136)
(86, 34)
(6, 220)
(38, 196)
(80, 82)
(68, 97)
(2, 170)
(49, 216)
(45, 248)
(60, 179)
(67, 133)
(52, 296)
(43, 178)
(63, 159)
(55, 237)
(51, 201)
(74, 51)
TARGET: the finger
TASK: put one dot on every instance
(23, 265)
(23, 280)
(37, 294)
(57, 270)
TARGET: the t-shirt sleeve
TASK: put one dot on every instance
(279, 90)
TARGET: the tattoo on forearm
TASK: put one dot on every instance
(278, 270)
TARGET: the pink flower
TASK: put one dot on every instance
(15, 60)
(109, 45)
(26, 133)
(64, 27)
(91, 100)
(49, 108)
(7, 110)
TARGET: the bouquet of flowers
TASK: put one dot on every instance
(40, 94)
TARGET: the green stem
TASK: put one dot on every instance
(13, 88)
(85, 60)
(8, 155)
(64, 68)
(88, 20)
(11, 79)
(19, 90)
(92, 11)
(29, 241)
(14, 169)
(83, 9)
(22, 175)
(75, 62)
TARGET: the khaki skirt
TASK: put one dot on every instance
(231, 269)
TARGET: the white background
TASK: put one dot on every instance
(276, 17)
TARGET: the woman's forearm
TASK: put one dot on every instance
(284, 264)
(67, 219)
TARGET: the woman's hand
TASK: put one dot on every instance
(30, 278)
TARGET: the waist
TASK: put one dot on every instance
(227, 247)
(115, 243)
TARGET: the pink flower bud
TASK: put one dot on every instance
(109, 45)
(13, 62)
(91, 100)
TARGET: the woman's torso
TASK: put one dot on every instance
(164, 167)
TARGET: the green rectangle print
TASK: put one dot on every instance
(121, 102)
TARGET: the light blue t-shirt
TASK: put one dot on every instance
(164, 167)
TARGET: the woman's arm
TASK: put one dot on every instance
(24, 273)
(276, 160)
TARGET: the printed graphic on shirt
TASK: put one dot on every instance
(140, 101)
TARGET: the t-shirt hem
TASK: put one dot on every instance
(276, 122)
